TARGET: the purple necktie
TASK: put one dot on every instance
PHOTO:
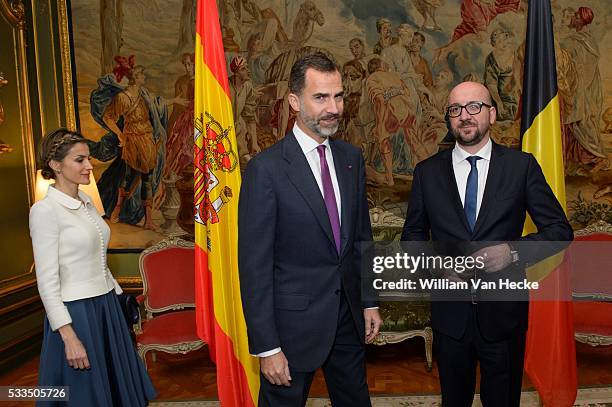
(329, 196)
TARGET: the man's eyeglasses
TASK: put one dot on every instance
(472, 108)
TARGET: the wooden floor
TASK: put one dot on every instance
(392, 369)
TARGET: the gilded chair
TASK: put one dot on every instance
(592, 285)
(167, 271)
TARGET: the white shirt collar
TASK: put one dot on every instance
(307, 143)
(66, 200)
(459, 154)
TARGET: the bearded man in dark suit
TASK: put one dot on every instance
(480, 191)
(302, 214)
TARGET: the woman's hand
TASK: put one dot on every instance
(75, 351)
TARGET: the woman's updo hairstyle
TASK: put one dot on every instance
(55, 146)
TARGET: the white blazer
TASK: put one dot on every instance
(69, 239)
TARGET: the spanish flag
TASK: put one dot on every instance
(550, 355)
(219, 317)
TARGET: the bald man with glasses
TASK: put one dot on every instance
(480, 191)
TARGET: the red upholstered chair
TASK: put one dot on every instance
(592, 285)
(167, 271)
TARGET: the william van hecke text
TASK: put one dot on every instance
(446, 284)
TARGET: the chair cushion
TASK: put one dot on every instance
(404, 316)
(590, 263)
(168, 329)
(169, 275)
(593, 317)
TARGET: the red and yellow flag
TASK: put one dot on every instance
(219, 317)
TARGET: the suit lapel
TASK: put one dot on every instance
(347, 195)
(496, 168)
(448, 174)
(301, 176)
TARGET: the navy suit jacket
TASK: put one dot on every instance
(515, 186)
(290, 271)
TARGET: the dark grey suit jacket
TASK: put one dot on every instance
(290, 271)
(515, 186)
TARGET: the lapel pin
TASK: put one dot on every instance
(350, 166)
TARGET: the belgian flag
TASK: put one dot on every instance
(550, 355)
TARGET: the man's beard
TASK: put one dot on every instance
(314, 124)
(477, 138)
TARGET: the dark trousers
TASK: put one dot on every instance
(501, 367)
(344, 371)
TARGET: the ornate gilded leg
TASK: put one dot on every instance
(428, 347)
(142, 352)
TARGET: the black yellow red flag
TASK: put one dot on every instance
(550, 355)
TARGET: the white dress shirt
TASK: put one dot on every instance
(69, 239)
(462, 167)
(309, 148)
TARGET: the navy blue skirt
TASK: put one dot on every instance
(117, 376)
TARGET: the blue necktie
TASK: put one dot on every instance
(471, 192)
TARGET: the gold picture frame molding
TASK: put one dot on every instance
(14, 12)
(66, 58)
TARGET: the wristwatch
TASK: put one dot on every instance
(514, 254)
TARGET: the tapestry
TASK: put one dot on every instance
(399, 59)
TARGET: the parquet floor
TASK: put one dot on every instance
(392, 369)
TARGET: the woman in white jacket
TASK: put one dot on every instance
(86, 343)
